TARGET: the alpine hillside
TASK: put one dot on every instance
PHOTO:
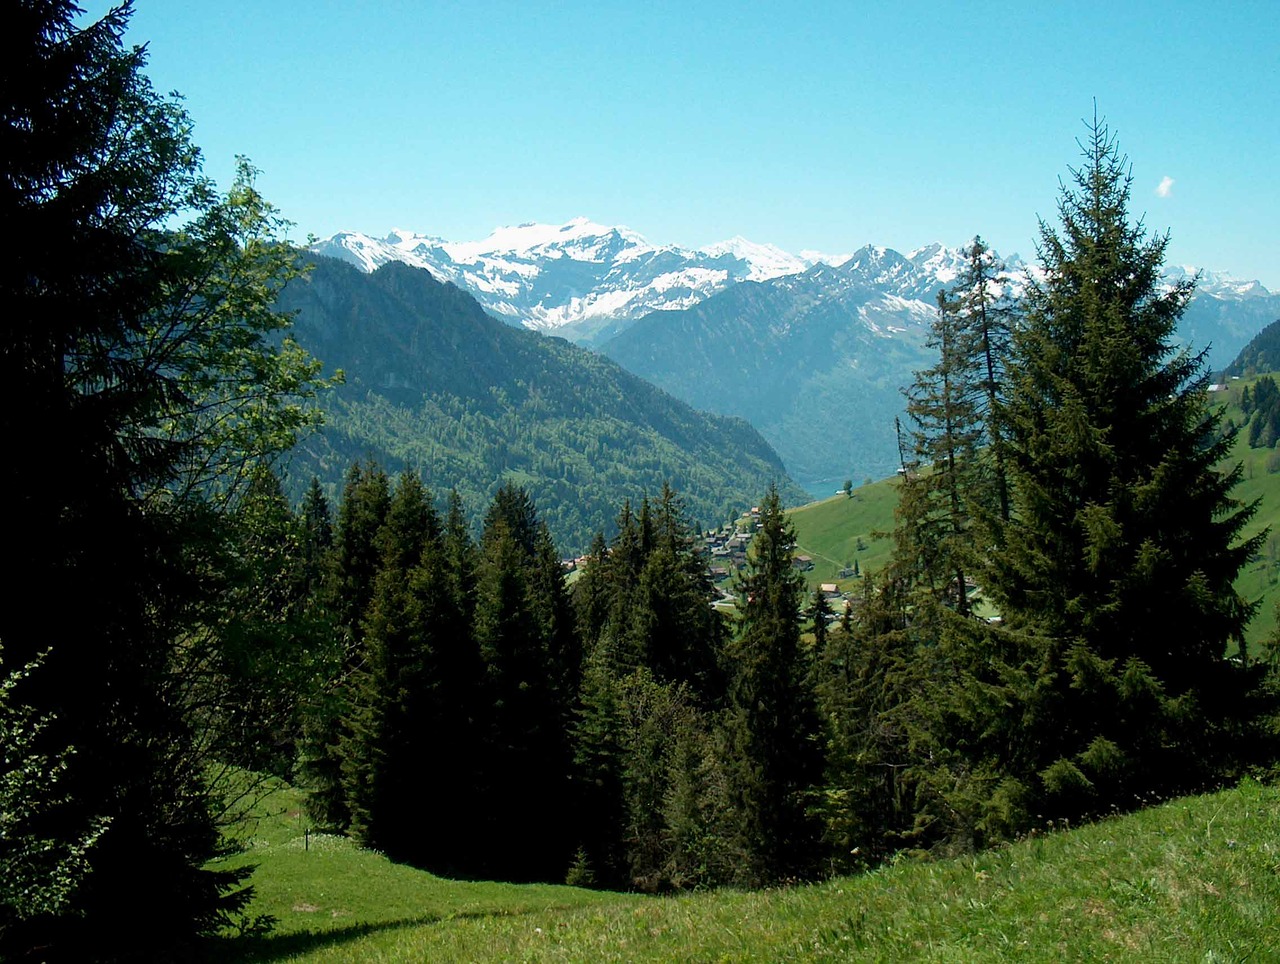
(434, 383)
(815, 360)
(811, 349)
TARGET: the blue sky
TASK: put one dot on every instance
(808, 125)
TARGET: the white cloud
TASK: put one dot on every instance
(1165, 188)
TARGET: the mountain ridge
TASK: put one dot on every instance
(436, 384)
(588, 281)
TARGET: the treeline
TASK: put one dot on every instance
(458, 705)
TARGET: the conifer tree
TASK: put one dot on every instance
(317, 537)
(385, 727)
(525, 757)
(680, 635)
(1124, 539)
(347, 593)
(821, 617)
(986, 319)
(142, 368)
(772, 726)
(859, 680)
(946, 483)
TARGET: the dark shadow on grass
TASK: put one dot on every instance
(275, 947)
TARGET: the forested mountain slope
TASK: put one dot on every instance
(815, 364)
(1262, 354)
(434, 382)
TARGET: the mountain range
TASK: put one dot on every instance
(811, 349)
(434, 383)
(573, 278)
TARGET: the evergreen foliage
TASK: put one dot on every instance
(1124, 540)
(143, 369)
(524, 633)
(346, 594)
(1262, 409)
(434, 383)
(772, 725)
(392, 690)
(1262, 354)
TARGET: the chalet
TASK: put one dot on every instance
(803, 563)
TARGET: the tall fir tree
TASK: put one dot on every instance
(347, 594)
(987, 318)
(521, 627)
(1124, 539)
(935, 518)
(772, 723)
(384, 727)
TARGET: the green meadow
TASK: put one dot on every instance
(1194, 879)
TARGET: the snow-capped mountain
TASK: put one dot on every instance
(816, 360)
(570, 275)
(589, 282)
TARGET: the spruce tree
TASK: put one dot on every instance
(385, 726)
(523, 631)
(935, 514)
(986, 321)
(772, 724)
(346, 595)
(1124, 539)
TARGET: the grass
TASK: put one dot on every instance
(325, 892)
(1196, 879)
(831, 531)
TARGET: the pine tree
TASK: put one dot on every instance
(317, 537)
(859, 679)
(986, 321)
(520, 625)
(1123, 542)
(679, 634)
(821, 618)
(772, 723)
(935, 516)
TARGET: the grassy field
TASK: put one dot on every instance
(832, 530)
(1196, 879)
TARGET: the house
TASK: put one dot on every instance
(830, 589)
(803, 563)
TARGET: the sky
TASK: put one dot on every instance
(818, 126)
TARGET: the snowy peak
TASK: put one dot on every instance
(587, 278)
(1220, 284)
(766, 260)
(580, 239)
